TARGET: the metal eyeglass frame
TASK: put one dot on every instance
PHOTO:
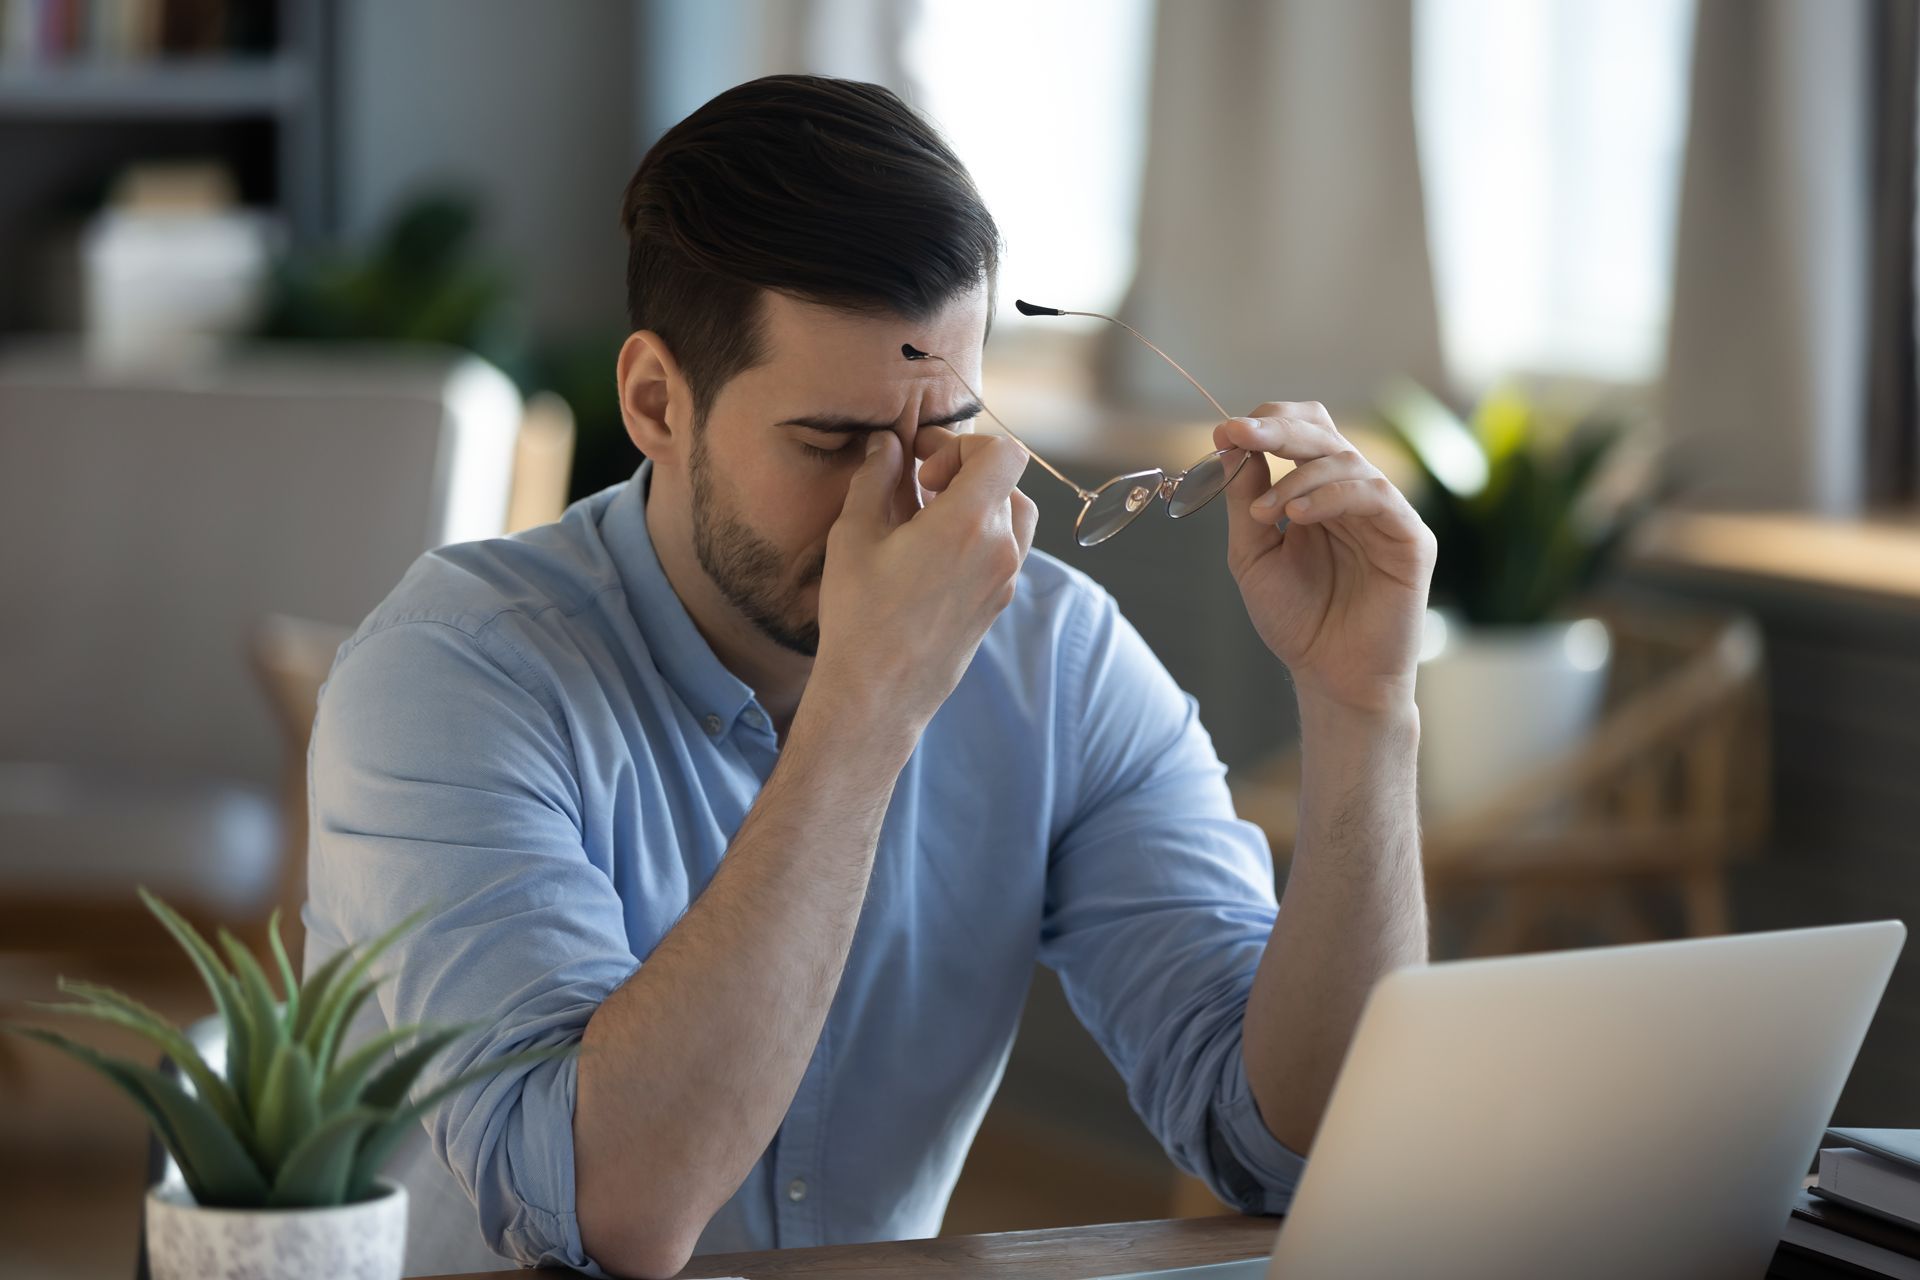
(1142, 486)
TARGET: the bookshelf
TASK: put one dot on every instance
(77, 108)
(186, 88)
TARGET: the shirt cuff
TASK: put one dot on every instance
(537, 1222)
(1254, 1171)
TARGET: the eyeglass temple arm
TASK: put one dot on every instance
(1026, 308)
(912, 352)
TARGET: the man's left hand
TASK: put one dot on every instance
(1338, 595)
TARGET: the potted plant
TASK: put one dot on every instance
(280, 1149)
(1530, 501)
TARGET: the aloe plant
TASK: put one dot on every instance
(1529, 504)
(289, 1124)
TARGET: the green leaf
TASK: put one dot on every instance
(217, 1168)
(107, 1005)
(1445, 447)
(289, 985)
(289, 1106)
(344, 1083)
(265, 1031)
(315, 1173)
(389, 1088)
(320, 1032)
(313, 992)
(226, 993)
(330, 1044)
(381, 1140)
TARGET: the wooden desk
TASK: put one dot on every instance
(1061, 1253)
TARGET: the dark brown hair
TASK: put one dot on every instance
(830, 191)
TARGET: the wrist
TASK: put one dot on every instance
(854, 719)
(1388, 715)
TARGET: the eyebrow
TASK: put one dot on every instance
(854, 426)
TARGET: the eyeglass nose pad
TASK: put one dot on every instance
(1167, 486)
(1139, 496)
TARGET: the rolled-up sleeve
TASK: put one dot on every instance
(1159, 906)
(441, 778)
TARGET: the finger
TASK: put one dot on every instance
(1305, 410)
(1374, 497)
(1247, 537)
(1299, 439)
(1310, 411)
(1026, 517)
(928, 441)
(870, 494)
(1305, 478)
(985, 466)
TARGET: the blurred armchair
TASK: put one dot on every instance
(149, 525)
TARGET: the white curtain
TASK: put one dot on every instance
(1283, 247)
(1767, 375)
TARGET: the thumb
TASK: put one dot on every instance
(1246, 536)
(870, 494)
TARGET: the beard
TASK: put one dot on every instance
(748, 569)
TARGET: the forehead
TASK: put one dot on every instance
(849, 361)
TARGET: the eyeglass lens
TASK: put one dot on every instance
(1204, 481)
(1116, 504)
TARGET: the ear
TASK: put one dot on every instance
(655, 402)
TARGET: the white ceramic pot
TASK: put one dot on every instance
(364, 1241)
(1497, 702)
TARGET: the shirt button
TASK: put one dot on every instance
(713, 725)
(797, 1190)
(754, 717)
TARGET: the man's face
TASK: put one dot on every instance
(769, 470)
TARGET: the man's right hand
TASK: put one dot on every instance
(904, 603)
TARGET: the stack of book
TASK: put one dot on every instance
(50, 31)
(1861, 1214)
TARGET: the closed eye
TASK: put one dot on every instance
(826, 455)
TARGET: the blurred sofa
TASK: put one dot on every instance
(150, 525)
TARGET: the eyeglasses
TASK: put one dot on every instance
(1106, 510)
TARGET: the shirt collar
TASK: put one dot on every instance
(714, 695)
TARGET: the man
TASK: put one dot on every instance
(768, 774)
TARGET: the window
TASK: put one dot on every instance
(1046, 106)
(1550, 136)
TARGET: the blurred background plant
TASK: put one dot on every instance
(424, 279)
(1531, 496)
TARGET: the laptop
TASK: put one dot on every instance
(1644, 1111)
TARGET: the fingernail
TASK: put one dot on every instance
(1301, 504)
(1266, 501)
(873, 442)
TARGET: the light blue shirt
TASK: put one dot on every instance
(531, 736)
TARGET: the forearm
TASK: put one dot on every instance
(1354, 908)
(688, 1069)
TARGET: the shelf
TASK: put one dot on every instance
(1875, 557)
(182, 89)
